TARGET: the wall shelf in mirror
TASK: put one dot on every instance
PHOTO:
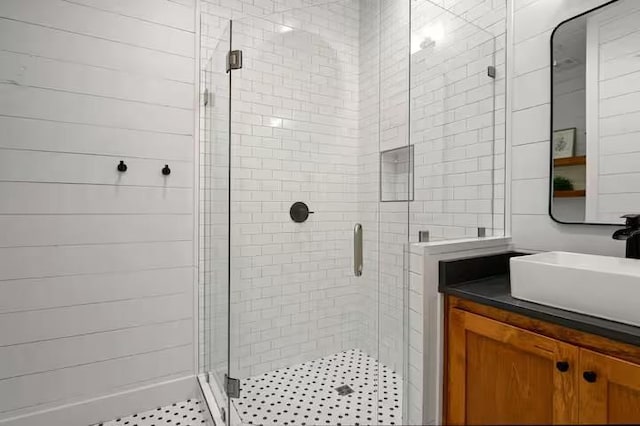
(570, 161)
(570, 194)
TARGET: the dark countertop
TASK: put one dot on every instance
(495, 291)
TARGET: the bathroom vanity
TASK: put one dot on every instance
(509, 361)
(555, 337)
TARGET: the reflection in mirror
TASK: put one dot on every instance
(596, 115)
(396, 169)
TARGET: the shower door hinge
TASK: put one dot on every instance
(491, 71)
(232, 387)
(234, 60)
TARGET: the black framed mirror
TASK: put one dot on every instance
(595, 115)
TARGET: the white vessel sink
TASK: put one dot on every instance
(606, 287)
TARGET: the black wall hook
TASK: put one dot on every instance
(166, 170)
(122, 167)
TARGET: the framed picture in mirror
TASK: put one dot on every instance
(564, 143)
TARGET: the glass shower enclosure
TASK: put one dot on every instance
(290, 220)
(320, 129)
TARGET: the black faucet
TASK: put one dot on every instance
(631, 233)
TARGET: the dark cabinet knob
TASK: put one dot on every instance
(590, 376)
(562, 366)
(166, 170)
(122, 167)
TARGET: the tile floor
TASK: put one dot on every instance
(314, 393)
(186, 413)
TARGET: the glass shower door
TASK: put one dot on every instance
(306, 327)
(214, 216)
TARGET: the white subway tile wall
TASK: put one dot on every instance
(457, 118)
(367, 190)
(456, 114)
(393, 233)
(295, 113)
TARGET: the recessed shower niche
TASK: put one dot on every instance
(396, 174)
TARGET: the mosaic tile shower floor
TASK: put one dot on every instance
(347, 388)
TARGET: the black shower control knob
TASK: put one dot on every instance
(166, 170)
(122, 167)
(299, 212)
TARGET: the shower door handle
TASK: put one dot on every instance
(357, 250)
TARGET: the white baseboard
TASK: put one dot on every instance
(96, 410)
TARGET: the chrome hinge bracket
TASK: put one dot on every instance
(234, 60)
(232, 387)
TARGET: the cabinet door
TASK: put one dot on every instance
(500, 374)
(609, 390)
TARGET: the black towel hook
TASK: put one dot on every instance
(166, 170)
(122, 167)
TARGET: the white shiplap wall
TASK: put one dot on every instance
(96, 266)
(531, 227)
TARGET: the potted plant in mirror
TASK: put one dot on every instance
(562, 187)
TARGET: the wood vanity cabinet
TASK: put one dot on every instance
(500, 374)
(614, 396)
(504, 368)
